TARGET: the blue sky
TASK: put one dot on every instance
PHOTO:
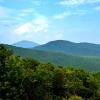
(47, 20)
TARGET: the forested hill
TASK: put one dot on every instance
(28, 79)
(89, 63)
(84, 49)
(25, 44)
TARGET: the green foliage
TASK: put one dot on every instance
(28, 79)
(88, 63)
(75, 98)
(4, 54)
(59, 82)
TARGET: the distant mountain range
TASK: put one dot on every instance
(62, 46)
(25, 44)
(60, 52)
(90, 63)
(81, 49)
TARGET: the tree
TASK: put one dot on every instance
(30, 63)
(4, 54)
(43, 81)
(58, 83)
(75, 98)
(10, 85)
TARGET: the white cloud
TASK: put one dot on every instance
(93, 1)
(6, 15)
(19, 16)
(28, 10)
(24, 28)
(36, 2)
(70, 13)
(71, 2)
(25, 12)
(77, 2)
(80, 12)
(57, 36)
(62, 15)
(97, 8)
(4, 11)
(40, 24)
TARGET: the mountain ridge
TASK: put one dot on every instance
(82, 49)
(25, 44)
(89, 63)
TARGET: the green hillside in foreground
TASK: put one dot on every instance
(89, 63)
(81, 49)
(28, 79)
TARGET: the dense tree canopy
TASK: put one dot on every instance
(27, 79)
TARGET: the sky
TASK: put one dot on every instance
(42, 21)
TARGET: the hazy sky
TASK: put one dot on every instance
(46, 20)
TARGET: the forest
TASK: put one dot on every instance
(90, 63)
(24, 78)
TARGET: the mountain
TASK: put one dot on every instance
(89, 63)
(81, 49)
(25, 44)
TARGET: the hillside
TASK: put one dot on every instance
(83, 49)
(25, 44)
(90, 63)
(28, 79)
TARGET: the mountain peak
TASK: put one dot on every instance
(25, 44)
(84, 49)
(59, 42)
